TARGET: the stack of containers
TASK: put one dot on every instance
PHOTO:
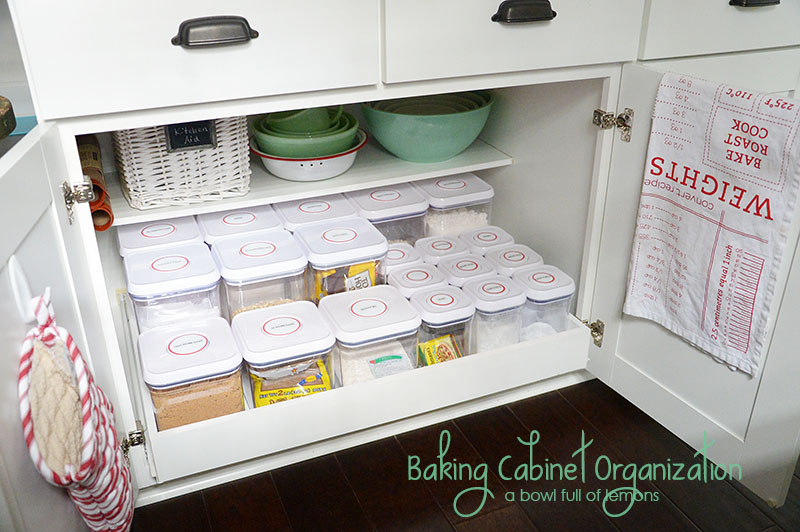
(458, 270)
(398, 255)
(411, 279)
(549, 292)
(157, 235)
(435, 248)
(457, 203)
(445, 333)
(294, 214)
(484, 239)
(397, 211)
(260, 269)
(376, 333)
(216, 225)
(510, 258)
(498, 306)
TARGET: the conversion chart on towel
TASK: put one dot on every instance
(718, 196)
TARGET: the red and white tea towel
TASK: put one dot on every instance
(68, 424)
(720, 187)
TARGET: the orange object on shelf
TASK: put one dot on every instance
(92, 165)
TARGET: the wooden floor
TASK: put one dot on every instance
(367, 488)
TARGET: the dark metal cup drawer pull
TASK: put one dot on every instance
(517, 11)
(754, 3)
(214, 31)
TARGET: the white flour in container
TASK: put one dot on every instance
(454, 221)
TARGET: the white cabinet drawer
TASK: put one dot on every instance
(449, 38)
(105, 57)
(676, 28)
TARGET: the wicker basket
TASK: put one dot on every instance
(153, 177)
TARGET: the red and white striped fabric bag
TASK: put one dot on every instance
(100, 484)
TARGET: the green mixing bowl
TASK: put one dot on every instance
(304, 147)
(340, 125)
(302, 120)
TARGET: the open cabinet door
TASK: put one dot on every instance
(754, 422)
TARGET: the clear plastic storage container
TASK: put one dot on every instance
(295, 214)
(549, 292)
(157, 235)
(484, 239)
(397, 211)
(459, 270)
(174, 285)
(435, 248)
(344, 255)
(376, 333)
(445, 333)
(216, 225)
(457, 203)
(498, 307)
(192, 371)
(260, 269)
(411, 279)
(508, 259)
(399, 254)
(287, 350)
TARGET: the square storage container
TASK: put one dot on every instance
(435, 248)
(343, 255)
(397, 211)
(260, 269)
(446, 330)
(192, 371)
(398, 255)
(287, 351)
(216, 225)
(411, 279)
(157, 235)
(549, 292)
(483, 239)
(175, 285)
(376, 333)
(498, 307)
(294, 214)
(458, 203)
(510, 258)
(459, 270)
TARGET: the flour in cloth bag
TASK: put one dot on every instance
(719, 192)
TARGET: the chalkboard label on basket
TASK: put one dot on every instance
(191, 135)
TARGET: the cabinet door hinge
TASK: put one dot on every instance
(622, 121)
(597, 329)
(80, 193)
(135, 437)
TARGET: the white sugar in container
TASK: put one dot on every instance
(376, 333)
(287, 350)
(397, 211)
(458, 270)
(192, 371)
(445, 333)
(510, 258)
(398, 255)
(435, 248)
(294, 214)
(484, 239)
(173, 285)
(549, 292)
(157, 235)
(457, 203)
(411, 279)
(260, 269)
(216, 225)
(498, 307)
(343, 255)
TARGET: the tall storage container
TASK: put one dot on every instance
(457, 203)
(435, 248)
(411, 279)
(483, 239)
(512, 257)
(549, 292)
(397, 211)
(446, 330)
(216, 225)
(498, 307)
(294, 214)
(157, 235)
(459, 270)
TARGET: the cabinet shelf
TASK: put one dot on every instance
(374, 166)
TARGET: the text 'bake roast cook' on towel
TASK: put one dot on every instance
(719, 191)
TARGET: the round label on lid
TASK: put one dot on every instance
(282, 326)
(514, 256)
(442, 300)
(451, 184)
(157, 230)
(239, 218)
(339, 235)
(314, 207)
(385, 195)
(395, 254)
(543, 277)
(467, 265)
(368, 308)
(486, 236)
(187, 344)
(257, 249)
(170, 263)
(417, 276)
(441, 245)
(494, 288)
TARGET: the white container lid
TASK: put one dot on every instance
(216, 225)
(368, 315)
(400, 254)
(496, 294)
(545, 283)
(455, 190)
(510, 258)
(151, 235)
(459, 270)
(188, 353)
(482, 239)
(442, 305)
(258, 256)
(296, 213)
(435, 248)
(281, 334)
(180, 268)
(339, 242)
(416, 277)
(384, 203)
